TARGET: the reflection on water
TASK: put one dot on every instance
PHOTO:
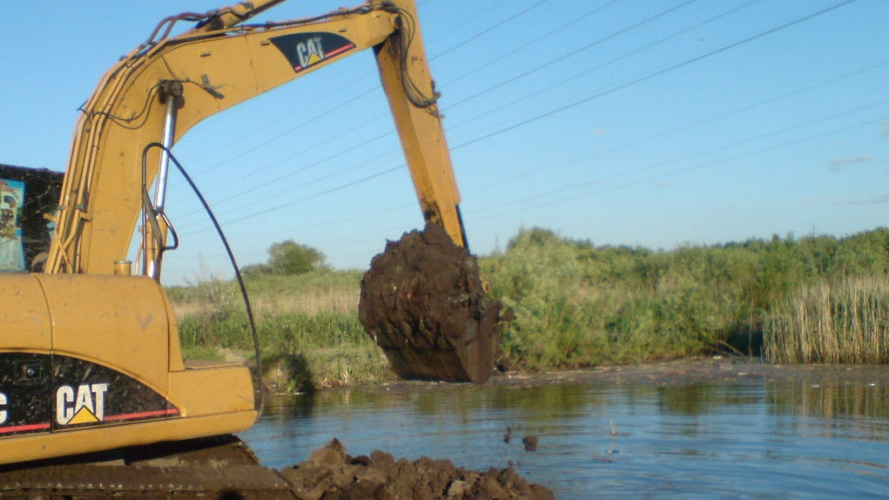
(752, 440)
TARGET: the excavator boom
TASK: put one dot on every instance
(202, 72)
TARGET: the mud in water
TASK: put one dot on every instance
(330, 474)
(424, 303)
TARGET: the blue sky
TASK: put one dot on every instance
(629, 122)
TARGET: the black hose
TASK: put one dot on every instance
(231, 258)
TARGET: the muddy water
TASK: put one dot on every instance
(731, 439)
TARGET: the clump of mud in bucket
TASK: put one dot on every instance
(424, 303)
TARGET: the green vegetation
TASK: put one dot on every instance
(811, 299)
(579, 305)
(308, 327)
(288, 258)
(840, 321)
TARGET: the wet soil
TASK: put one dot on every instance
(330, 474)
(224, 468)
(424, 303)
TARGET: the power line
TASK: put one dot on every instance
(696, 124)
(565, 81)
(575, 52)
(531, 43)
(490, 29)
(576, 103)
(740, 156)
(649, 76)
(733, 112)
(613, 35)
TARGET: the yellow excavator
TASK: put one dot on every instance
(90, 354)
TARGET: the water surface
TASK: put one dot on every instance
(766, 440)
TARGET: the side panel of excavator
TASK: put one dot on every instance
(86, 357)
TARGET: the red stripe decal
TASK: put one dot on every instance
(144, 414)
(332, 53)
(339, 51)
(21, 428)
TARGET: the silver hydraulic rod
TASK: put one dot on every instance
(172, 91)
(160, 190)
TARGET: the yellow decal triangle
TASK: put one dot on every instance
(314, 59)
(84, 416)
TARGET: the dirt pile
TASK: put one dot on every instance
(224, 468)
(424, 303)
(331, 474)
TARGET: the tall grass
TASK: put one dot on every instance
(307, 324)
(841, 321)
(577, 304)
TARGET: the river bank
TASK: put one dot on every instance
(693, 371)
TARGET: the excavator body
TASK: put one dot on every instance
(90, 355)
(95, 364)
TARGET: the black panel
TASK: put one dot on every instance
(89, 394)
(304, 50)
(39, 392)
(24, 393)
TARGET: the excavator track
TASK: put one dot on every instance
(219, 467)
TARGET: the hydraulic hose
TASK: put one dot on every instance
(231, 257)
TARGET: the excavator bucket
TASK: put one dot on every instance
(424, 304)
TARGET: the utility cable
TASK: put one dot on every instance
(530, 43)
(592, 97)
(649, 76)
(565, 81)
(739, 156)
(488, 30)
(660, 135)
(575, 52)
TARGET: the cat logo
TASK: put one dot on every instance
(84, 404)
(304, 50)
(4, 414)
(310, 51)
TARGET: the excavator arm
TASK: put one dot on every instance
(162, 89)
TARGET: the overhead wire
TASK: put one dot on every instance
(409, 28)
(522, 204)
(652, 75)
(490, 29)
(501, 181)
(566, 80)
(569, 106)
(560, 192)
(689, 126)
(352, 100)
(613, 35)
(530, 43)
(576, 52)
(265, 126)
(784, 145)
